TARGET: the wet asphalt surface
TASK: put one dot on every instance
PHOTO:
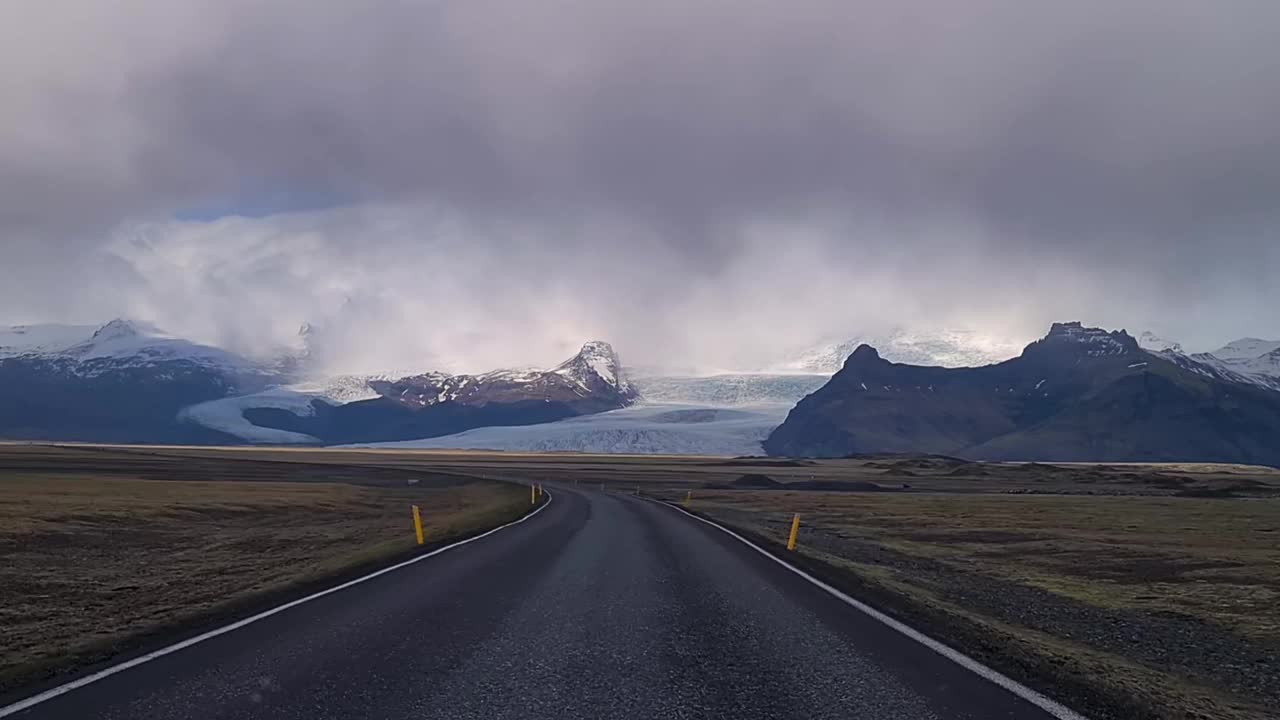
(601, 606)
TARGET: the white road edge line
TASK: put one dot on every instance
(1054, 708)
(108, 672)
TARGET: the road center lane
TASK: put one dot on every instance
(643, 616)
(588, 642)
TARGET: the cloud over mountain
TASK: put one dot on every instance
(703, 179)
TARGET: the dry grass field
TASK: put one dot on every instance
(1129, 591)
(1166, 606)
(1135, 591)
(96, 561)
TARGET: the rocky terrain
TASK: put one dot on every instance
(1077, 394)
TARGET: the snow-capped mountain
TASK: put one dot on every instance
(343, 389)
(1247, 360)
(424, 405)
(89, 351)
(1154, 343)
(124, 381)
(132, 382)
(1077, 394)
(41, 339)
(1257, 361)
(593, 375)
(1246, 349)
(945, 348)
(596, 366)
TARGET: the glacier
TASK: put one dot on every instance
(642, 429)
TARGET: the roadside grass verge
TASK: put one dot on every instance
(1121, 607)
(96, 567)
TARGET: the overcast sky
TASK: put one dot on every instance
(474, 183)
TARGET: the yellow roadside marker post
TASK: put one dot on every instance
(688, 499)
(533, 495)
(417, 523)
(795, 530)
(539, 489)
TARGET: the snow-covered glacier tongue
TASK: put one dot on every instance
(643, 429)
(729, 414)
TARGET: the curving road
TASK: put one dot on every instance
(600, 606)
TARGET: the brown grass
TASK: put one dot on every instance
(659, 471)
(1091, 582)
(1188, 589)
(92, 564)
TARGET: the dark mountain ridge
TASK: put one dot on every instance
(127, 381)
(1078, 394)
(436, 404)
(121, 382)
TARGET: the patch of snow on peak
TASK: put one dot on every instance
(597, 358)
(136, 343)
(1246, 349)
(343, 389)
(516, 375)
(603, 368)
(1248, 359)
(130, 343)
(42, 339)
(1095, 342)
(121, 328)
(1154, 343)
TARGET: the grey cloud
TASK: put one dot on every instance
(658, 166)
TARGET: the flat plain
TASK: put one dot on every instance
(1137, 591)
(1168, 605)
(1141, 590)
(105, 549)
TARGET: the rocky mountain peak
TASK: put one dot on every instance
(599, 349)
(1246, 348)
(118, 328)
(1075, 338)
(597, 358)
(1154, 343)
(863, 353)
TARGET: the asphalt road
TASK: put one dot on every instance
(601, 606)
